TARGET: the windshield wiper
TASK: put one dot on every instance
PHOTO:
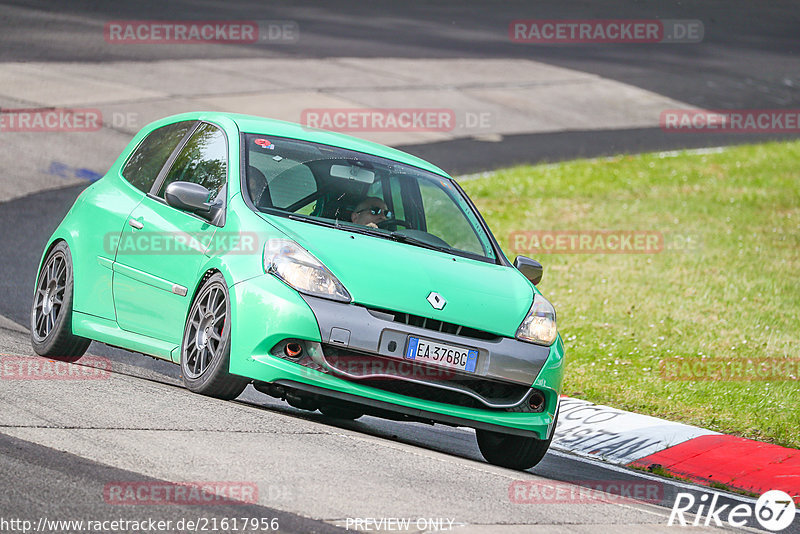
(404, 238)
(311, 220)
(365, 230)
(336, 224)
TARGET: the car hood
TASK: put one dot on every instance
(385, 274)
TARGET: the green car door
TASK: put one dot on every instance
(101, 212)
(162, 248)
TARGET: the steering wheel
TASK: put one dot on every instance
(387, 222)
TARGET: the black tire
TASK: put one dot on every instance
(514, 452)
(206, 343)
(51, 311)
(337, 411)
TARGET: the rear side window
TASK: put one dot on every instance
(204, 161)
(150, 156)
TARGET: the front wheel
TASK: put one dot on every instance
(51, 313)
(514, 452)
(206, 345)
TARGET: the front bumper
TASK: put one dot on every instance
(370, 331)
(266, 313)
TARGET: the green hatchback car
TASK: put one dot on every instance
(334, 273)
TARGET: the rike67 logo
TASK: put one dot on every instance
(774, 511)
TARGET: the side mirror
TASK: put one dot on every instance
(530, 269)
(188, 197)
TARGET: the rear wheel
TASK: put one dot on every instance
(51, 313)
(514, 452)
(206, 345)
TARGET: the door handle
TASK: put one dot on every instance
(136, 224)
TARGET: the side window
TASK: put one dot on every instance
(444, 219)
(204, 161)
(146, 162)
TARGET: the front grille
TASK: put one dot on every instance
(430, 382)
(432, 393)
(431, 324)
(406, 377)
(429, 393)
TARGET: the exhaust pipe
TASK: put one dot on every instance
(293, 349)
(273, 390)
(302, 402)
(536, 401)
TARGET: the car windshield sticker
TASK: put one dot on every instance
(265, 143)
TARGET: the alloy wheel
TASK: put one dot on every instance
(50, 295)
(204, 339)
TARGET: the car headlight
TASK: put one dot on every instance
(294, 265)
(539, 325)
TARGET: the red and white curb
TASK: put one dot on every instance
(703, 456)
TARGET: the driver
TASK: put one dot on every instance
(370, 212)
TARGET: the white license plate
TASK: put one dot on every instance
(424, 350)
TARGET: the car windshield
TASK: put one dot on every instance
(353, 191)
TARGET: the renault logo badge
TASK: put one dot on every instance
(436, 300)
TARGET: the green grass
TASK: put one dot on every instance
(733, 295)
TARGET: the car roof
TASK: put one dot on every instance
(278, 128)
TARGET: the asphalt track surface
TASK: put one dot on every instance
(46, 481)
(748, 59)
